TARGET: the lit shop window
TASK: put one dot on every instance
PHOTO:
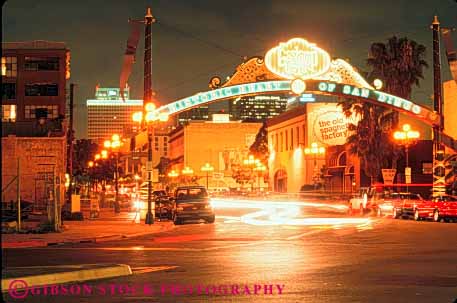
(9, 66)
(9, 113)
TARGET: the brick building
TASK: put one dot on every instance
(41, 160)
(34, 78)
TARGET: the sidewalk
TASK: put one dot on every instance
(107, 227)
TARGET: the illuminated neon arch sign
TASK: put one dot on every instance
(298, 66)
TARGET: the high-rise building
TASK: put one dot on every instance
(200, 113)
(106, 93)
(108, 114)
(34, 76)
(258, 108)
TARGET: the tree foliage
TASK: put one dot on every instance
(399, 63)
(84, 150)
(260, 146)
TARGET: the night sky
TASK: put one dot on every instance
(197, 39)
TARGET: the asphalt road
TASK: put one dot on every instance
(322, 257)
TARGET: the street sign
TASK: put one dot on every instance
(218, 176)
(408, 179)
(408, 175)
(388, 175)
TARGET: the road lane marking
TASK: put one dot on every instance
(148, 269)
(295, 237)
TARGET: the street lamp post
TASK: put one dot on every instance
(114, 145)
(207, 168)
(187, 171)
(251, 163)
(173, 174)
(260, 168)
(406, 137)
(315, 151)
(149, 118)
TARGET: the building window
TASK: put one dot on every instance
(298, 136)
(156, 143)
(287, 139)
(291, 138)
(276, 144)
(52, 111)
(8, 91)
(41, 63)
(42, 89)
(9, 113)
(9, 66)
(281, 142)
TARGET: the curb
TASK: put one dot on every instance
(70, 276)
(24, 244)
(33, 244)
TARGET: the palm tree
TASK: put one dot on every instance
(399, 63)
(370, 139)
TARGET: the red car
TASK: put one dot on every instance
(439, 208)
(400, 205)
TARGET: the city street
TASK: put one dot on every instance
(321, 256)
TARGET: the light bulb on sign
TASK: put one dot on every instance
(298, 86)
(377, 83)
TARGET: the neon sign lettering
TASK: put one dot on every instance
(311, 86)
(297, 59)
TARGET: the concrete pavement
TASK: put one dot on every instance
(107, 227)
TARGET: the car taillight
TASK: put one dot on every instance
(179, 208)
(207, 206)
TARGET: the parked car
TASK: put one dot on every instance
(365, 201)
(438, 208)
(406, 204)
(192, 203)
(388, 203)
(163, 204)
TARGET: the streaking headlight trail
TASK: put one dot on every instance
(283, 213)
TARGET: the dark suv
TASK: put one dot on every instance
(192, 203)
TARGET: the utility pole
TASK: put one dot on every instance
(54, 189)
(70, 144)
(147, 97)
(439, 184)
(18, 189)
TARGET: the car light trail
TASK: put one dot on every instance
(283, 213)
(230, 203)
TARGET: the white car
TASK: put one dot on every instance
(364, 202)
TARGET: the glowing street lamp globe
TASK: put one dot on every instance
(137, 117)
(173, 174)
(207, 167)
(298, 86)
(187, 171)
(149, 107)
